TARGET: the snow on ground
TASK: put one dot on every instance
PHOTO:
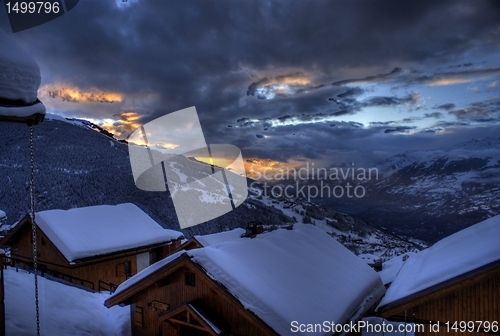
(64, 310)
(262, 272)
(452, 256)
(368, 258)
(85, 232)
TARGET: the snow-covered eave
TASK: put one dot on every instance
(27, 221)
(368, 302)
(14, 229)
(31, 114)
(120, 297)
(231, 295)
(426, 294)
(188, 242)
(132, 250)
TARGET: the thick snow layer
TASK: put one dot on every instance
(2, 215)
(85, 232)
(452, 256)
(64, 310)
(22, 111)
(300, 275)
(147, 272)
(221, 237)
(19, 73)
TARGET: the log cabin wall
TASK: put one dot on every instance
(110, 270)
(173, 291)
(476, 302)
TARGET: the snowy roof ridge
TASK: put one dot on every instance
(334, 285)
(81, 233)
(457, 255)
(221, 237)
(261, 273)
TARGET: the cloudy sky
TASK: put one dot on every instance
(286, 81)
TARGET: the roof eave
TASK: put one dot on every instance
(449, 285)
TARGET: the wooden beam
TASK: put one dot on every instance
(192, 325)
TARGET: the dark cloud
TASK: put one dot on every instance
(351, 92)
(400, 129)
(387, 101)
(382, 123)
(375, 78)
(436, 115)
(461, 65)
(446, 107)
(163, 56)
(478, 110)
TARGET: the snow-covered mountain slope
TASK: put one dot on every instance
(366, 241)
(431, 194)
(77, 167)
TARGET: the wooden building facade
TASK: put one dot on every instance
(220, 288)
(471, 297)
(99, 271)
(453, 287)
(181, 299)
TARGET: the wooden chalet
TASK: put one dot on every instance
(457, 279)
(97, 247)
(251, 286)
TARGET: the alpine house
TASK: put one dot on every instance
(98, 247)
(457, 279)
(277, 283)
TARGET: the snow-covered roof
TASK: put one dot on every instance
(97, 230)
(147, 272)
(221, 237)
(451, 257)
(285, 275)
(293, 275)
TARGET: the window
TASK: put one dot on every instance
(126, 267)
(138, 317)
(123, 269)
(155, 255)
(189, 279)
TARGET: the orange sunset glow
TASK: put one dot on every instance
(74, 94)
